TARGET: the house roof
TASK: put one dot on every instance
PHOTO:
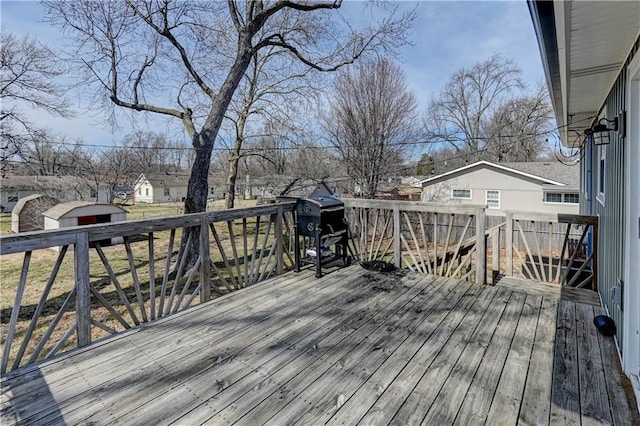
(62, 209)
(171, 180)
(547, 173)
(584, 46)
(18, 183)
(164, 179)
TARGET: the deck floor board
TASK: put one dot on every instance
(353, 347)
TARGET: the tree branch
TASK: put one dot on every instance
(166, 33)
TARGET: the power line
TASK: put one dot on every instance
(292, 148)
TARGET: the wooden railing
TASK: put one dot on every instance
(462, 241)
(56, 302)
(443, 240)
(108, 289)
(554, 248)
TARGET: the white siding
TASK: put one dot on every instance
(516, 193)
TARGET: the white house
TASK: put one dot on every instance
(591, 56)
(541, 187)
(160, 188)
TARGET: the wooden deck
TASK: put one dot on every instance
(354, 347)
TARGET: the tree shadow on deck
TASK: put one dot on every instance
(14, 385)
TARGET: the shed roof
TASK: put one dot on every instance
(22, 202)
(63, 209)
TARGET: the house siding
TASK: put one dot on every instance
(517, 193)
(156, 192)
(611, 249)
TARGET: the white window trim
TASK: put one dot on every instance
(563, 196)
(462, 198)
(544, 198)
(486, 198)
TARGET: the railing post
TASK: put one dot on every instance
(495, 254)
(508, 242)
(397, 243)
(279, 241)
(205, 267)
(83, 292)
(481, 248)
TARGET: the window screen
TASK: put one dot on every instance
(493, 199)
(461, 193)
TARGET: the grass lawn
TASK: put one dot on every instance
(42, 264)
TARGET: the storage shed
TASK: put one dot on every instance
(27, 213)
(76, 213)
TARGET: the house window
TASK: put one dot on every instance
(146, 192)
(493, 199)
(463, 194)
(552, 197)
(571, 198)
(558, 197)
(166, 192)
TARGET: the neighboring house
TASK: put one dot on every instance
(166, 188)
(160, 188)
(272, 187)
(64, 188)
(549, 187)
(591, 55)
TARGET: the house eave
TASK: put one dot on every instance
(494, 166)
(583, 46)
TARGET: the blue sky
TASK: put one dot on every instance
(446, 36)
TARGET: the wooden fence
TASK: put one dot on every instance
(107, 290)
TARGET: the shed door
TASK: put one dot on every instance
(86, 220)
(90, 220)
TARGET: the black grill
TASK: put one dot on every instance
(321, 217)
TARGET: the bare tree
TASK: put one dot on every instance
(154, 152)
(370, 121)
(27, 73)
(275, 86)
(518, 129)
(113, 166)
(186, 59)
(460, 115)
(49, 155)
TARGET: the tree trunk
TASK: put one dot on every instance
(232, 178)
(198, 186)
(196, 202)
